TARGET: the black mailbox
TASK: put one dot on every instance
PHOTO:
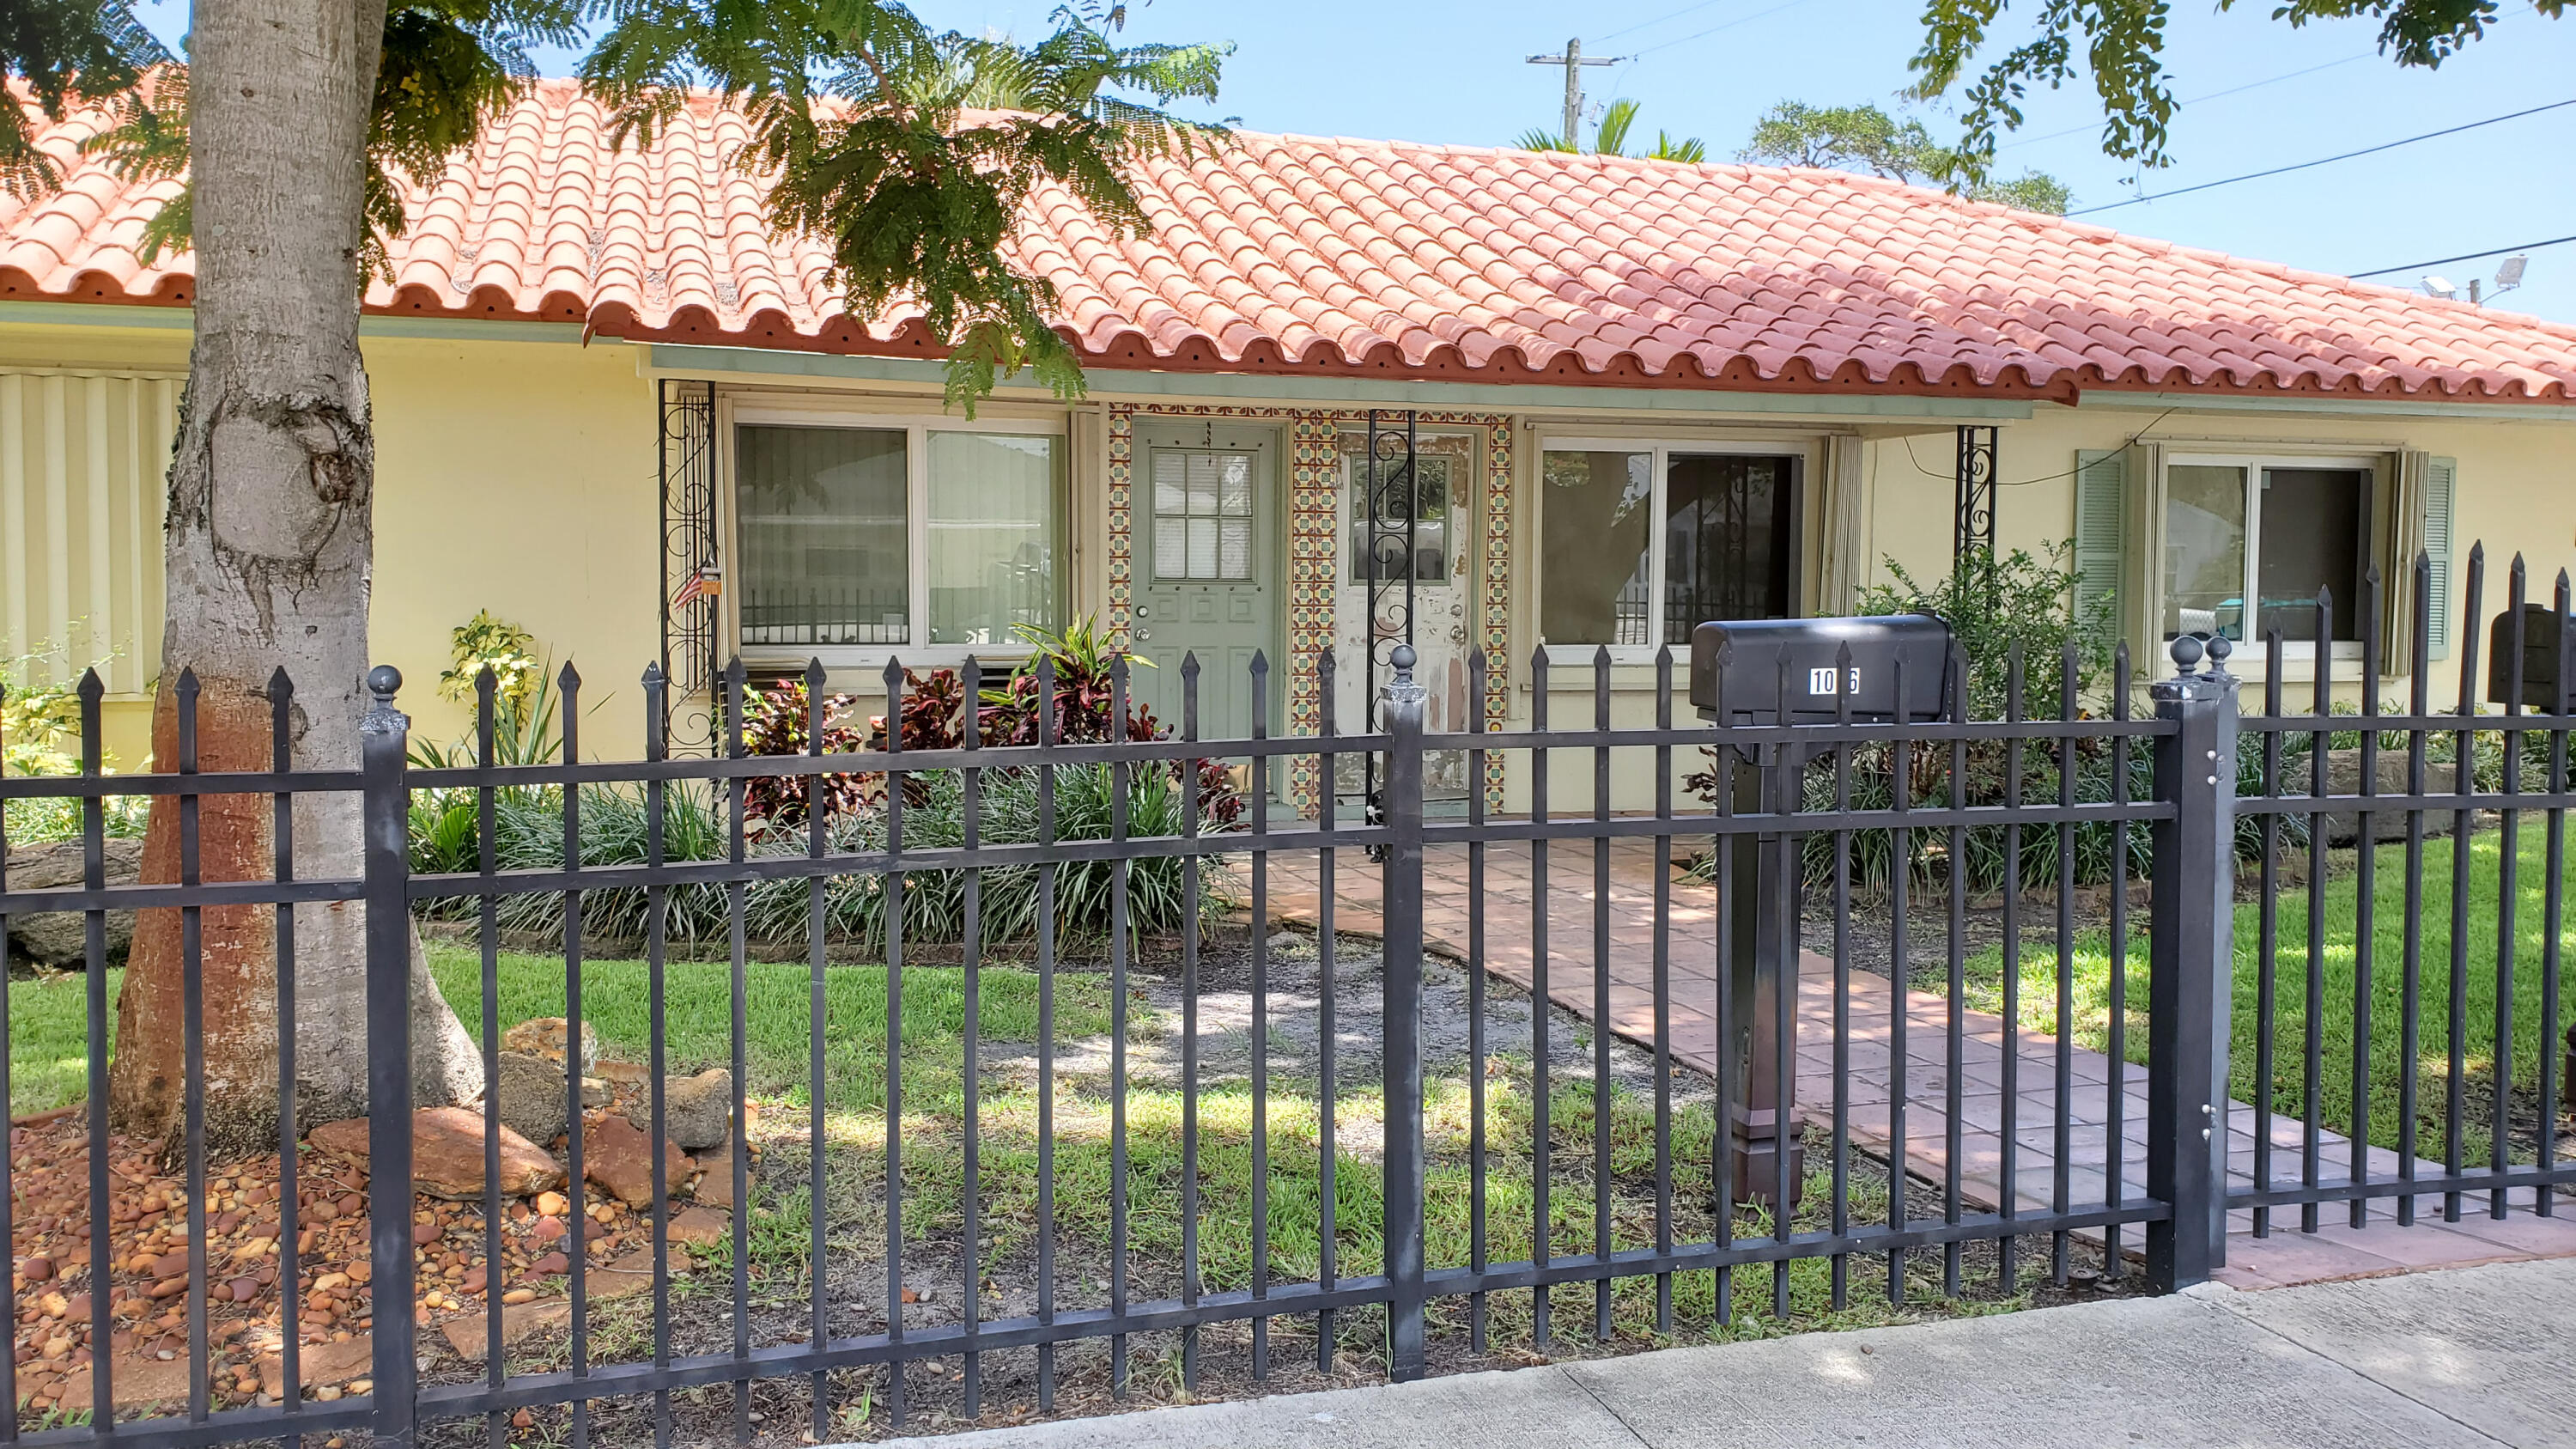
(2539, 660)
(1738, 667)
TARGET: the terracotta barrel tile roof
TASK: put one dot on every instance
(1380, 258)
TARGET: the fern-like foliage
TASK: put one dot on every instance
(447, 67)
(70, 53)
(911, 153)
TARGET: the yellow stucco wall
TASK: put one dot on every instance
(2516, 491)
(519, 476)
(513, 476)
(520, 479)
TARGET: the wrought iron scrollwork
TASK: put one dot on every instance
(1976, 491)
(1391, 485)
(692, 575)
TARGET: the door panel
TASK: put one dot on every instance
(1205, 500)
(1448, 473)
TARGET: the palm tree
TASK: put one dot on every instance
(1610, 138)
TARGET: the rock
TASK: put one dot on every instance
(632, 1274)
(714, 1187)
(620, 1159)
(530, 1090)
(518, 1320)
(543, 1037)
(318, 1364)
(2343, 777)
(61, 938)
(36, 1270)
(447, 1154)
(696, 1111)
(138, 1381)
(700, 1227)
(551, 1205)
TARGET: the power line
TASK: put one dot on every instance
(1660, 19)
(2556, 241)
(2323, 160)
(1712, 30)
(2198, 100)
(2222, 95)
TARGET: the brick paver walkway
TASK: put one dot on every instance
(2286, 1256)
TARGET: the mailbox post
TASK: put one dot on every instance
(1790, 672)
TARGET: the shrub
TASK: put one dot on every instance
(615, 829)
(40, 735)
(1994, 605)
(615, 823)
(779, 720)
(508, 651)
(1998, 609)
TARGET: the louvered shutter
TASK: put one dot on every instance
(2441, 485)
(2101, 524)
(82, 459)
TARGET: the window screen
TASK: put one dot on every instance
(2311, 539)
(1595, 567)
(1726, 540)
(993, 525)
(824, 535)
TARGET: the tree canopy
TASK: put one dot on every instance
(71, 53)
(906, 174)
(1867, 139)
(2123, 43)
(907, 150)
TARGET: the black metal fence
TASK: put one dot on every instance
(1504, 1169)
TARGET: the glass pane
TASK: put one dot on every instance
(2204, 551)
(994, 517)
(1169, 493)
(1234, 549)
(1202, 548)
(1203, 484)
(2312, 539)
(1234, 480)
(1593, 561)
(1728, 527)
(825, 556)
(1171, 549)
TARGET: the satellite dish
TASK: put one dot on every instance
(2509, 272)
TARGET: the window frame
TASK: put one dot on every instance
(734, 413)
(1801, 452)
(2250, 652)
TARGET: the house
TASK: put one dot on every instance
(1640, 393)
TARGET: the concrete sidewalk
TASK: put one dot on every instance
(2468, 1357)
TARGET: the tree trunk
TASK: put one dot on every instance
(269, 547)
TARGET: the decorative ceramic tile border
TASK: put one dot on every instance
(1314, 481)
(1122, 477)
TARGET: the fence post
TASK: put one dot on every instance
(383, 737)
(1401, 709)
(2191, 956)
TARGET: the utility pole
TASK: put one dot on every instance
(1573, 60)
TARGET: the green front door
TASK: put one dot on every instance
(1206, 563)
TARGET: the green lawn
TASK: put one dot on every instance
(2341, 965)
(46, 1048)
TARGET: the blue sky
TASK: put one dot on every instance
(1455, 72)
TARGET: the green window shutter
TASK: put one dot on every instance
(2441, 483)
(2101, 525)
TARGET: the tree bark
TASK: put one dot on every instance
(269, 547)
